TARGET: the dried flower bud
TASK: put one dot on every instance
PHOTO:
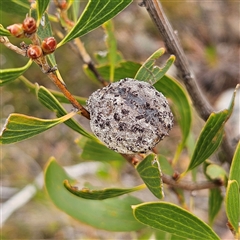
(129, 116)
(29, 25)
(34, 52)
(16, 30)
(49, 45)
(63, 5)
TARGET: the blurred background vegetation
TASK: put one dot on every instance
(209, 32)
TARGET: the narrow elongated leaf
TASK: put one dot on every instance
(20, 7)
(150, 172)
(49, 101)
(232, 202)
(209, 139)
(110, 214)
(92, 150)
(94, 15)
(235, 166)
(211, 135)
(100, 194)
(173, 219)
(112, 47)
(151, 73)
(214, 204)
(172, 89)
(41, 7)
(8, 75)
(19, 127)
(4, 32)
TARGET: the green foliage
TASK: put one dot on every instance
(94, 15)
(3, 31)
(20, 7)
(173, 219)
(99, 194)
(49, 101)
(214, 204)
(110, 214)
(41, 7)
(9, 75)
(110, 208)
(20, 127)
(232, 201)
(150, 171)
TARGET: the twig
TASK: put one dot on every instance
(68, 95)
(188, 185)
(87, 60)
(173, 46)
(4, 40)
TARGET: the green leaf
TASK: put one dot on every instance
(41, 7)
(232, 202)
(151, 73)
(209, 139)
(49, 101)
(214, 204)
(20, 7)
(75, 9)
(106, 193)
(122, 70)
(44, 31)
(211, 135)
(110, 214)
(173, 219)
(150, 172)
(4, 32)
(112, 47)
(215, 172)
(165, 165)
(180, 105)
(19, 127)
(8, 75)
(235, 166)
(92, 150)
(94, 15)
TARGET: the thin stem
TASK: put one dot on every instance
(12, 47)
(187, 185)
(68, 95)
(173, 46)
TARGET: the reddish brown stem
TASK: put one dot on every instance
(68, 95)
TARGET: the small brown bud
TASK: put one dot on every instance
(16, 30)
(63, 5)
(49, 45)
(34, 52)
(29, 25)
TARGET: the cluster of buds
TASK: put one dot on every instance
(48, 46)
(26, 28)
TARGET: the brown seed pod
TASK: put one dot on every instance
(16, 30)
(34, 52)
(29, 25)
(49, 45)
(129, 116)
